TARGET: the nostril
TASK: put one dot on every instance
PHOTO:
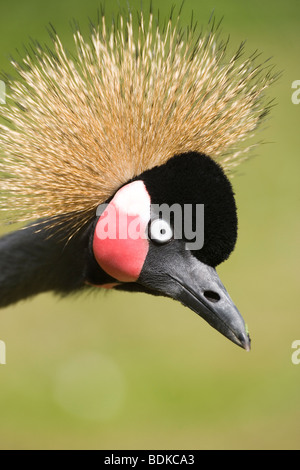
(212, 296)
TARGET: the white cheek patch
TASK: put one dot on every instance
(133, 200)
(120, 242)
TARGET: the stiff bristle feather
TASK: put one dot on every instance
(129, 99)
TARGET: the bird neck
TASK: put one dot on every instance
(38, 259)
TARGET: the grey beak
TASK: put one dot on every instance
(201, 290)
(196, 285)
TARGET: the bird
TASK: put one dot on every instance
(143, 117)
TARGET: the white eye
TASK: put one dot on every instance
(160, 231)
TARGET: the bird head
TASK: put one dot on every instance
(139, 126)
(165, 231)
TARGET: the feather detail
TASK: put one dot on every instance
(131, 97)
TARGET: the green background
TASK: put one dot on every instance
(121, 371)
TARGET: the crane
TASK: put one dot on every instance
(110, 152)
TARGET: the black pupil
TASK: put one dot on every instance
(162, 231)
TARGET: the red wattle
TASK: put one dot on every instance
(120, 244)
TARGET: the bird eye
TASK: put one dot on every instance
(160, 231)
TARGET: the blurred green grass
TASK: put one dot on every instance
(181, 385)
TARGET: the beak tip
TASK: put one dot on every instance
(245, 342)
